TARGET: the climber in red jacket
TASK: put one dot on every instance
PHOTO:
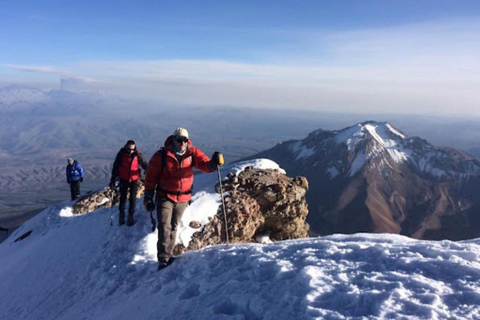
(126, 168)
(170, 174)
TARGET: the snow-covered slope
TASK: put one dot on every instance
(80, 267)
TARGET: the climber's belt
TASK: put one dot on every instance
(175, 193)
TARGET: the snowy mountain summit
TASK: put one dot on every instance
(61, 265)
(381, 146)
(373, 177)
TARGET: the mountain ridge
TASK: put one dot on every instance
(372, 177)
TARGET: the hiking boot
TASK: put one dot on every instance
(130, 221)
(162, 265)
(121, 219)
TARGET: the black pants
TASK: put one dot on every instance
(75, 189)
(125, 186)
(169, 215)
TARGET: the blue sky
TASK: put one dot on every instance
(319, 50)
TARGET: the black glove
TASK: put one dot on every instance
(216, 161)
(81, 179)
(148, 200)
(218, 158)
(112, 184)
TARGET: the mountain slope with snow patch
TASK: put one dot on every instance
(372, 177)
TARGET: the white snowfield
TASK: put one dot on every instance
(80, 267)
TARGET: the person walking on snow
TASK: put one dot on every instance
(74, 176)
(170, 174)
(126, 168)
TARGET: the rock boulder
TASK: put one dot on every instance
(260, 204)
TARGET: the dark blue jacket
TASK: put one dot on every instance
(74, 171)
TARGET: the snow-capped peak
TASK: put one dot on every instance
(382, 132)
(386, 140)
(395, 131)
(382, 146)
(385, 145)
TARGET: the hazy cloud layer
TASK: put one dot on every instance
(421, 68)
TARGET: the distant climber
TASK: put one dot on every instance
(170, 174)
(75, 175)
(126, 168)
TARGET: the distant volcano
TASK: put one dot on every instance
(372, 177)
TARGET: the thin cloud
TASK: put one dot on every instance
(48, 70)
(427, 67)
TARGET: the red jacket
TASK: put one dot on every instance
(127, 166)
(174, 180)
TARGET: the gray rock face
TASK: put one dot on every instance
(259, 202)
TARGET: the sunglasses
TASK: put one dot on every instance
(182, 140)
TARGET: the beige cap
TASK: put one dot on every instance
(180, 132)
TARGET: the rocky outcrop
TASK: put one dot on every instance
(261, 205)
(102, 199)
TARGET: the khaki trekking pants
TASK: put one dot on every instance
(169, 215)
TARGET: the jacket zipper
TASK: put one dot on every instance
(181, 177)
(130, 171)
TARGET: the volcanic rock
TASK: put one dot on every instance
(260, 204)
